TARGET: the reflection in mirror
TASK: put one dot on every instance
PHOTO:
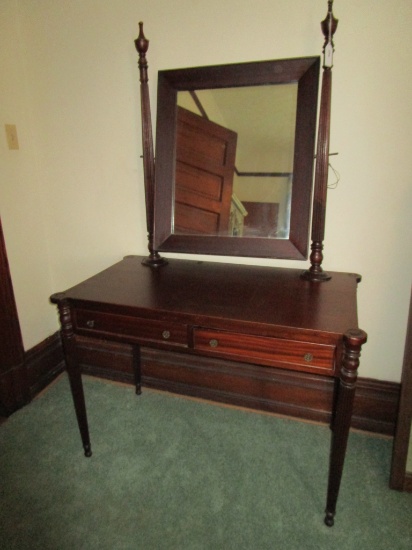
(234, 158)
(234, 161)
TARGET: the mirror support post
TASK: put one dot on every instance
(315, 272)
(142, 44)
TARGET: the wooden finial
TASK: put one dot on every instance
(142, 45)
(329, 26)
(141, 42)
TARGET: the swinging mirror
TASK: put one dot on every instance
(234, 158)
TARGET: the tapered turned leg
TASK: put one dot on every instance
(353, 341)
(137, 369)
(80, 407)
(74, 373)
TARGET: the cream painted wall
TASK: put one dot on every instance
(72, 198)
(21, 190)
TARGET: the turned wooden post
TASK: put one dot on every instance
(73, 369)
(352, 341)
(316, 273)
(142, 45)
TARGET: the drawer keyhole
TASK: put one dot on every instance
(90, 323)
(308, 357)
(166, 334)
(213, 343)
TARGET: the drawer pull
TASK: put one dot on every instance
(90, 323)
(166, 334)
(308, 357)
(213, 343)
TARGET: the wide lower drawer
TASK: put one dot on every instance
(127, 328)
(288, 354)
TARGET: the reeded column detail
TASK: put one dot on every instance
(142, 44)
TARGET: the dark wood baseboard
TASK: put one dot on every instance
(13, 389)
(43, 363)
(294, 394)
(40, 366)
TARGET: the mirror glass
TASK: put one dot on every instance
(234, 158)
(256, 125)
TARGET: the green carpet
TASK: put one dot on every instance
(172, 473)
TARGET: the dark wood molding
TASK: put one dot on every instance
(43, 363)
(300, 395)
(40, 366)
(376, 403)
(13, 387)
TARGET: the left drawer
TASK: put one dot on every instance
(134, 329)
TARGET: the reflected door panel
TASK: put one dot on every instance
(205, 157)
(264, 119)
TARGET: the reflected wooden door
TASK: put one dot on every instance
(205, 162)
(13, 384)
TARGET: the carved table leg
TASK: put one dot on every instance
(137, 369)
(74, 374)
(353, 340)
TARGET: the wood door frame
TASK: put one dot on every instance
(13, 377)
(401, 479)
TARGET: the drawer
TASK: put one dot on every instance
(128, 328)
(278, 352)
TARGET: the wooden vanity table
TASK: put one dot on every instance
(252, 314)
(270, 318)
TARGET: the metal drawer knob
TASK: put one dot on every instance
(90, 323)
(213, 343)
(308, 357)
(166, 334)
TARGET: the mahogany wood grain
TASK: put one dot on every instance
(266, 301)
(279, 352)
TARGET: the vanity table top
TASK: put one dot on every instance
(222, 295)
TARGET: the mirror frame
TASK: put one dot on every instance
(303, 71)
